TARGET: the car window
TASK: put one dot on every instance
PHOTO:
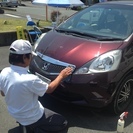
(102, 21)
(89, 18)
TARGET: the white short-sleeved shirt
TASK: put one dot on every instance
(21, 91)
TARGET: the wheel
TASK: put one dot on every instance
(123, 96)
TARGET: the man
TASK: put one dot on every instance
(21, 91)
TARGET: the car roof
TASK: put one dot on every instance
(118, 2)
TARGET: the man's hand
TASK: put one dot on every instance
(63, 74)
(66, 72)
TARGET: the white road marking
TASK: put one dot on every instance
(12, 15)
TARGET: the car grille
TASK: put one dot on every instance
(49, 65)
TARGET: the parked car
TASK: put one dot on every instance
(98, 43)
(78, 8)
(9, 3)
(1, 11)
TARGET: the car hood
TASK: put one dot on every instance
(74, 50)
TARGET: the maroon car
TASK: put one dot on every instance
(98, 43)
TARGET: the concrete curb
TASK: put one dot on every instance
(6, 38)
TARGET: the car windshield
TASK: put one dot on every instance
(101, 21)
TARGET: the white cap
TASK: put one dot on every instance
(21, 47)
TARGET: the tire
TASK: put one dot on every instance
(123, 96)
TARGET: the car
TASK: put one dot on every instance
(97, 42)
(1, 11)
(9, 3)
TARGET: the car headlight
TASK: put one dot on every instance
(103, 63)
(38, 40)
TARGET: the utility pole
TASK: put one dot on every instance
(46, 13)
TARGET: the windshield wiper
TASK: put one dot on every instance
(83, 34)
(76, 33)
(109, 39)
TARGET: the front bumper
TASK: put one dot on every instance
(95, 90)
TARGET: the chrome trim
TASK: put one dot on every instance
(51, 62)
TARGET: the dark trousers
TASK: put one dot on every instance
(50, 122)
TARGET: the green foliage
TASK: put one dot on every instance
(79, 8)
(95, 1)
(63, 18)
(54, 15)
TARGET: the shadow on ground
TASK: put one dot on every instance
(14, 130)
(84, 117)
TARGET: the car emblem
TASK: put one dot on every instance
(45, 66)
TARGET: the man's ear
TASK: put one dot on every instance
(2, 93)
(24, 56)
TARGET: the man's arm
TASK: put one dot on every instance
(63, 74)
(2, 93)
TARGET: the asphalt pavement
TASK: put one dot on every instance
(81, 119)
